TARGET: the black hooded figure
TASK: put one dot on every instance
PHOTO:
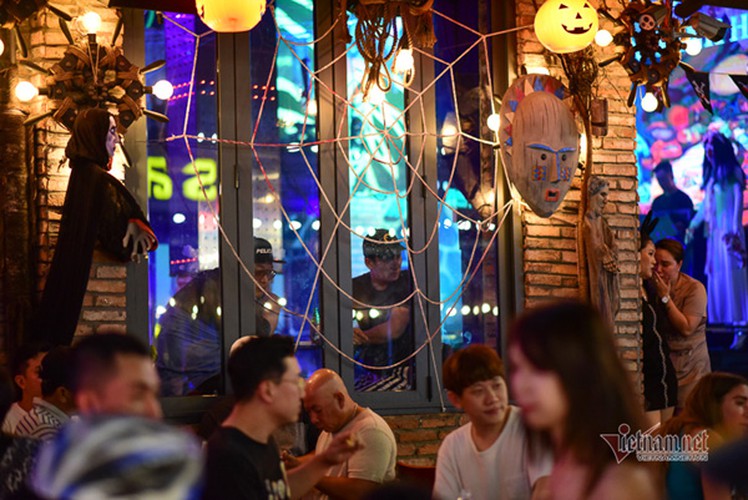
(97, 207)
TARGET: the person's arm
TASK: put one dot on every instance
(272, 313)
(367, 469)
(446, 481)
(392, 329)
(684, 323)
(624, 482)
(541, 489)
(305, 476)
(712, 489)
(345, 487)
(698, 217)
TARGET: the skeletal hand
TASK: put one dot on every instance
(142, 241)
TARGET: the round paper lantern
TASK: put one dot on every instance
(564, 26)
(230, 16)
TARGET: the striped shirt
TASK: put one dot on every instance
(42, 422)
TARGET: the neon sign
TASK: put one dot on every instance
(204, 172)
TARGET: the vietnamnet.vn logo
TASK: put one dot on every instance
(650, 447)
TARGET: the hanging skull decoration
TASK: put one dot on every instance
(539, 141)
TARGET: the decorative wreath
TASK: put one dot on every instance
(76, 83)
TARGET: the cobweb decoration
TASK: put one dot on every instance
(384, 137)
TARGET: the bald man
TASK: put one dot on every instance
(332, 410)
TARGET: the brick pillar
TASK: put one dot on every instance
(550, 244)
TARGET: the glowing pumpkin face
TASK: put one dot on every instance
(564, 26)
(230, 16)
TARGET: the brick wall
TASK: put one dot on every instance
(419, 436)
(550, 244)
(104, 303)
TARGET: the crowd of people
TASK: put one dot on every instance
(86, 421)
(93, 428)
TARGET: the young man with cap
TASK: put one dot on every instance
(383, 335)
(267, 308)
(188, 346)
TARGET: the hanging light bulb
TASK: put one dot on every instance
(650, 102)
(231, 16)
(311, 107)
(493, 122)
(376, 96)
(2, 47)
(694, 46)
(91, 22)
(25, 91)
(163, 89)
(404, 61)
(603, 38)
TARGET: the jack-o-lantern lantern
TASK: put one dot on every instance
(564, 26)
(227, 16)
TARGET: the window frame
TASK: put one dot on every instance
(236, 204)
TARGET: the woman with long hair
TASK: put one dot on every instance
(717, 408)
(660, 382)
(722, 212)
(567, 378)
(684, 300)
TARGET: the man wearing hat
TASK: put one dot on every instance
(383, 335)
(267, 308)
(188, 347)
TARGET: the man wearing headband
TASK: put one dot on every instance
(383, 335)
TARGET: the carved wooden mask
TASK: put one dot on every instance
(539, 142)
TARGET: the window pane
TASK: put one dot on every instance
(285, 191)
(382, 282)
(467, 256)
(184, 279)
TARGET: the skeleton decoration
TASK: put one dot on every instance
(539, 141)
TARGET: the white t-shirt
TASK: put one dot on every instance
(502, 471)
(14, 415)
(375, 461)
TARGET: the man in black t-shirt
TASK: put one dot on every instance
(243, 460)
(673, 207)
(383, 335)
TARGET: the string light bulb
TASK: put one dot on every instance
(376, 96)
(693, 46)
(163, 89)
(404, 61)
(91, 22)
(311, 107)
(603, 38)
(650, 102)
(493, 121)
(2, 47)
(25, 91)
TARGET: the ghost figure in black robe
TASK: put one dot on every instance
(97, 207)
